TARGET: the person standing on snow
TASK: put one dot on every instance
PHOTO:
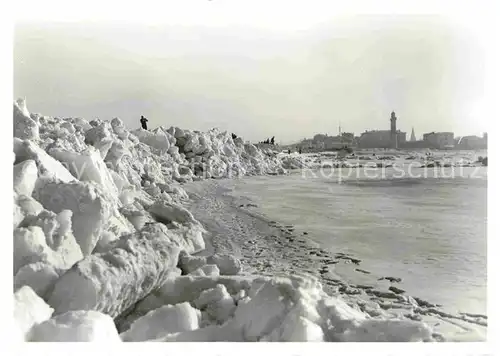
(143, 122)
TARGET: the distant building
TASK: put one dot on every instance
(392, 138)
(439, 140)
(472, 142)
(412, 137)
(325, 142)
(380, 139)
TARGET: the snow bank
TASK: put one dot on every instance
(81, 325)
(102, 234)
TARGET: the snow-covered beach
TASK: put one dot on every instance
(124, 235)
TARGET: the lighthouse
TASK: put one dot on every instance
(394, 136)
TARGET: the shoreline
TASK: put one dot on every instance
(273, 249)
(106, 238)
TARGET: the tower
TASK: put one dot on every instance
(412, 138)
(394, 137)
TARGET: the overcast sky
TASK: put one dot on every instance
(258, 75)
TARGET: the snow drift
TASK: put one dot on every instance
(104, 249)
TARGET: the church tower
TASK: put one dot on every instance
(412, 137)
(394, 136)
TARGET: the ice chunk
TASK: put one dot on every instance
(73, 326)
(24, 206)
(158, 139)
(119, 180)
(119, 129)
(191, 229)
(40, 276)
(217, 302)
(228, 265)
(188, 288)
(188, 263)
(30, 246)
(100, 137)
(87, 166)
(28, 205)
(56, 227)
(47, 166)
(301, 322)
(25, 176)
(300, 329)
(113, 281)
(177, 132)
(162, 321)
(211, 270)
(24, 126)
(386, 330)
(144, 306)
(168, 212)
(18, 215)
(105, 242)
(264, 312)
(29, 310)
(91, 207)
(206, 270)
(137, 217)
(193, 237)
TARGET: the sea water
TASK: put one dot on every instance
(427, 227)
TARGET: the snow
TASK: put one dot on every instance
(189, 264)
(115, 280)
(217, 302)
(165, 320)
(103, 233)
(47, 166)
(227, 265)
(25, 206)
(386, 330)
(100, 137)
(159, 139)
(29, 310)
(40, 276)
(24, 126)
(30, 246)
(298, 329)
(167, 213)
(77, 326)
(210, 270)
(92, 208)
(87, 166)
(25, 176)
